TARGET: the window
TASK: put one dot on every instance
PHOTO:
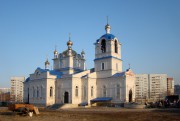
(41, 91)
(51, 91)
(76, 91)
(103, 46)
(37, 92)
(116, 46)
(118, 91)
(84, 92)
(104, 91)
(102, 66)
(92, 91)
(33, 92)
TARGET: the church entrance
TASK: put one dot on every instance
(130, 95)
(66, 97)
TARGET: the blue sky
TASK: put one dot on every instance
(149, 31)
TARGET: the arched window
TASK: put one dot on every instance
(103, 46)
(92, 91)
(117, 91)
(33, 92)
(84, 92)
(104, 91)
(51, 91)
(102, 66)
(37, 92)
(41, 91)
(76, 91)
(116, 46)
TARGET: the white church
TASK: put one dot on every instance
(70, 82)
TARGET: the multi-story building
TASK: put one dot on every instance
(170, 86)
(177, 89)
(17, 89)
(141, 84)
(151, 86)
(157, 86)
(4, 94)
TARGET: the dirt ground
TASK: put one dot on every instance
(96, 114)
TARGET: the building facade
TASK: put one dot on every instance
(142, 86)
(170, 86)
(157, 86)
(16, 94)
(70, 82)
(177, 89)
(4, 94)
(151, 86)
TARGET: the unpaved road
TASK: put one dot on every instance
(96, 114)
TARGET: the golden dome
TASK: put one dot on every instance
(69, 43)
(55, 52)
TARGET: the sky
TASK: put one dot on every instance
(149, 31)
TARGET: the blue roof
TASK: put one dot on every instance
(52, 72)
(101, 99)
(27, 79)
(119, 74)
(57, 73)
(107, 37)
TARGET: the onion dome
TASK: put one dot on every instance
(107, 26)
(55, 52)
(82, 52)
(69, 43)
(47, 62)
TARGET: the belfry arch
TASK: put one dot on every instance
(115, 47)
(103, 46)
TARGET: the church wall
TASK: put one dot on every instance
(92, 87)
(110, 85)
(25, 91)
(50, 96)
(63, 85)
(84, 88)
(130, 84)
(76, 90)
(37, 94)
(116, 65)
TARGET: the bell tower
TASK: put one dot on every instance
(107, 54)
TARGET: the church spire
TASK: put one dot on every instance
(69, 43)
(55, 53)
(107, 27)
(47, 64)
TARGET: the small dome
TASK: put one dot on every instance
(82, 52)
(55, 52)
(108, 26)
(108, 36)
(69, 43)
(47, 62)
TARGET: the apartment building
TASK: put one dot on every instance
(151, 86)
(157, 86)
(16, 94)
(141, 85)
(170, 86)
(4, 94)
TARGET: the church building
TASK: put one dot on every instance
(70, 82)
